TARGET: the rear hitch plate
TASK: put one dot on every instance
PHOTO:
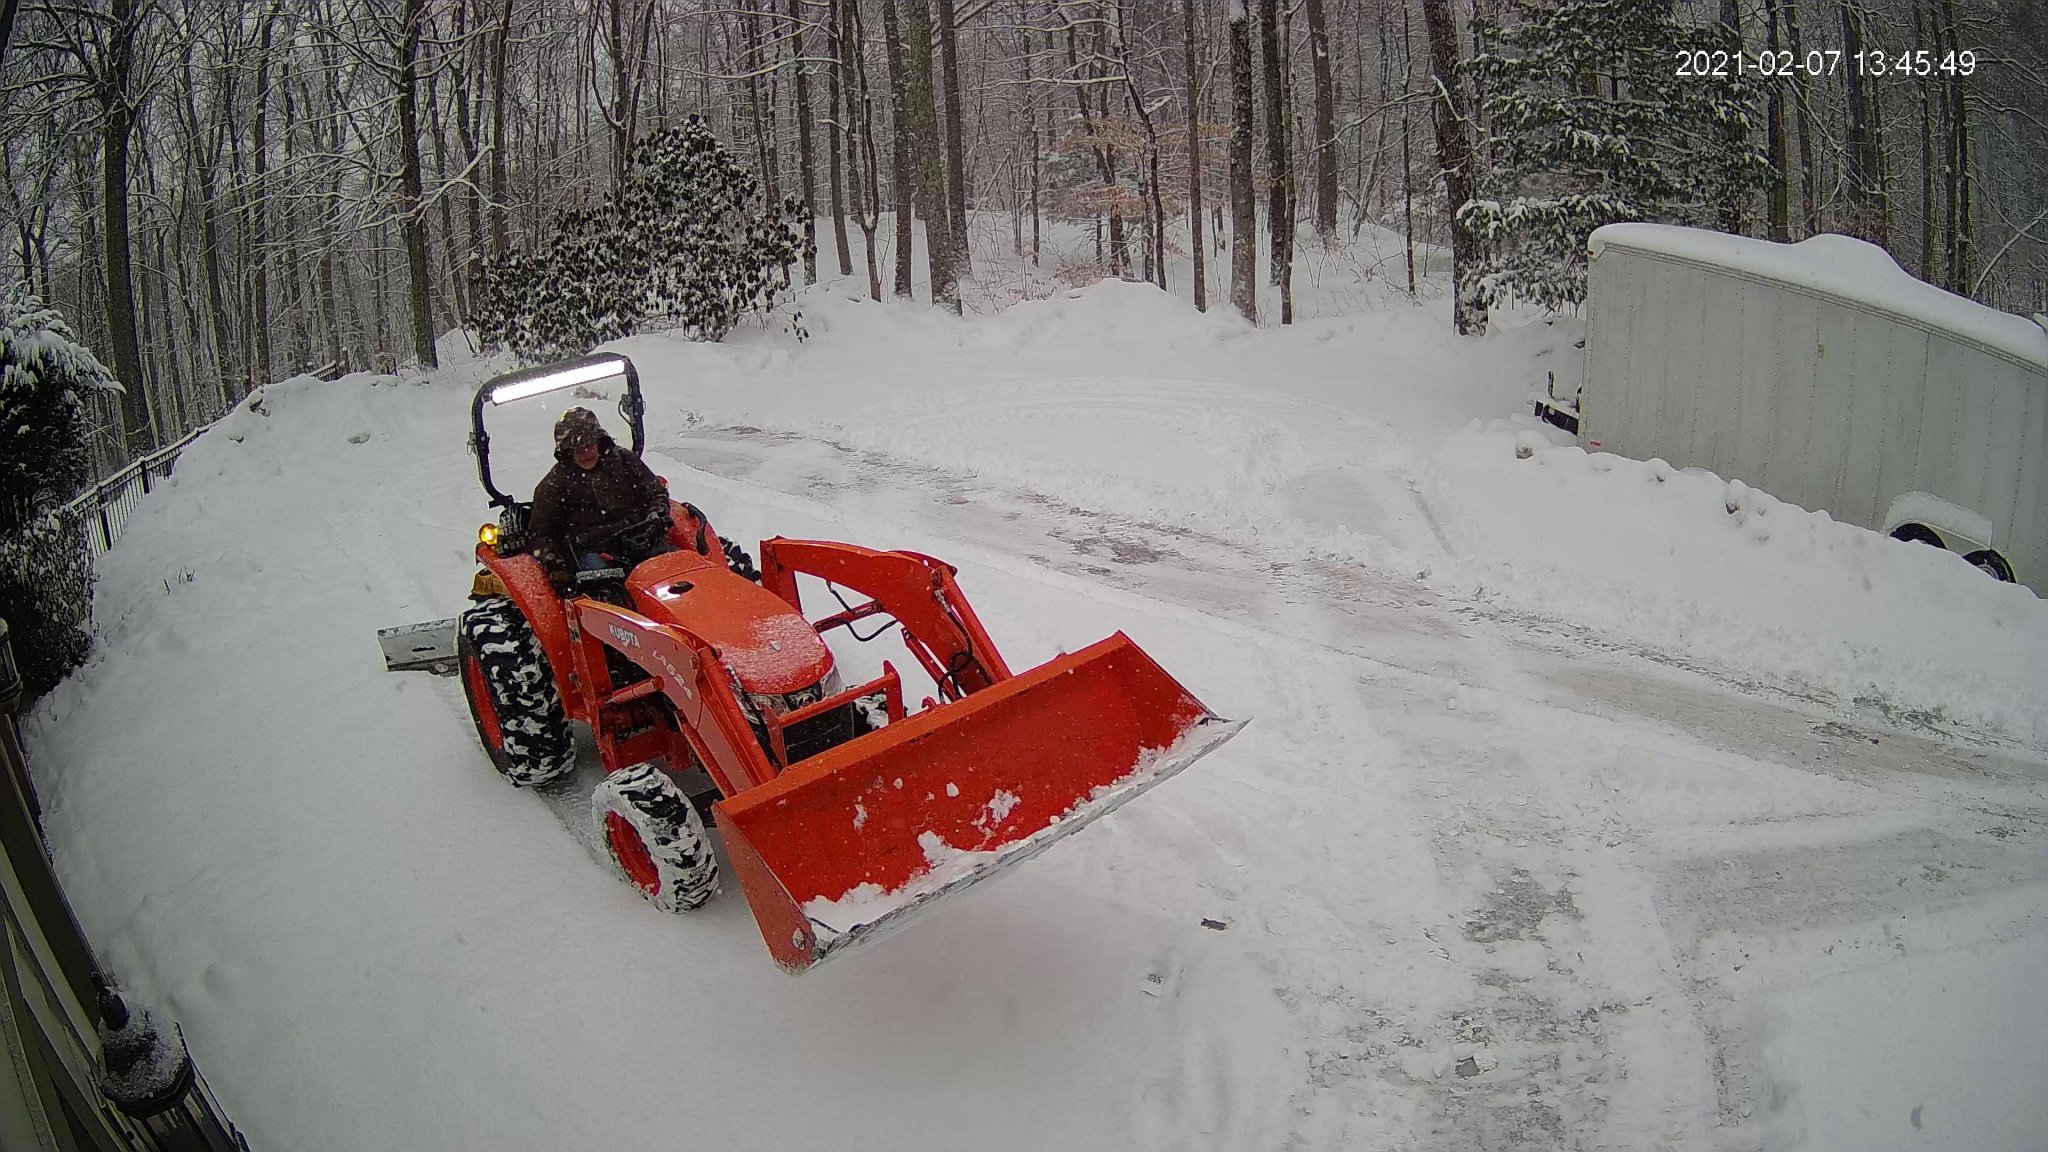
(428, 646)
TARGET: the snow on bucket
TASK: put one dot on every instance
(857, 841)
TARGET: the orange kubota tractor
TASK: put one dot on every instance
(843, 813)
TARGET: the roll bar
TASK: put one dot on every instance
(543, 378)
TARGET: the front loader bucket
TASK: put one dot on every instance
(857, 841)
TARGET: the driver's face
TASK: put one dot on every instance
(586, 457)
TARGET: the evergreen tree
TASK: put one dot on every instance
(689, 238)
(45, 569)
(1592, 124)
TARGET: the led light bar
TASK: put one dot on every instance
(564, 376)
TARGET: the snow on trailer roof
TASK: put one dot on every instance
(1845, 269)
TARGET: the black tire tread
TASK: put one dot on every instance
(538, 747)
(670, 828)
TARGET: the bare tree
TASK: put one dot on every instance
(928, 144)
(1279, 159)
(956, 164)
(1454, 156)
(838, 122)
(806, 163)
(1860, 168)
(500, 214)
(902, 132)
(1778, 191)
(411, 220)
(1244, 226)
(626, 45)
(1809, 179)
(1326, 122)
(1189, 51)
(105, 52)
(867, 177)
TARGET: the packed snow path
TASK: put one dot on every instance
(1485, 879)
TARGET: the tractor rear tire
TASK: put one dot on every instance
(656, 838)
(738, 561)
(512, 696)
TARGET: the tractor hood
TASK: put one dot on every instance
(770, 647)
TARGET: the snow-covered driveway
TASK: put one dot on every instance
(1485, 879)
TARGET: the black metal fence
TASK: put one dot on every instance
(101, 511)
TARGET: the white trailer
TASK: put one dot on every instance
(1822, 373)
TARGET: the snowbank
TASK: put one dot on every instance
(1700, 569)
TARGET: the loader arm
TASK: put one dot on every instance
(940, 629)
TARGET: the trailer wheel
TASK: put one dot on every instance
(1992, 563)
(512, 695)
(1918, 534)
(656, 838)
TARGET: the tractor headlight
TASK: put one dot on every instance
(487, 535)
(782, 704)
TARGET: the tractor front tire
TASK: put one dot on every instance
(656, 838)
(512, 695)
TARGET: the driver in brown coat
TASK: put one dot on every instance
(599, 506)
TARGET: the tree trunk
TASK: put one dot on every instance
(839, 91)
(501, 38)
(1778, 192)
(7, 12)
(956, 163)
(117, 127)
(1859, 161)
(1105, 162)
(1037, 157)
(764, 146)
(1194, 118)
(148, 313)
(226, 362)
(1244, 225)
(1809, 178)
(409, 193)
(901, 134)
(1407, 141)
(1961, 218)
(1454, 154)
(1735, 209)
(866, 174)
(617, 114)
(295, 306)
(1155, 206)
(928, 148)
(1279, 165)
(1326, 123)
(456, 289)
(466, 131)
(1927, 210)
(806, 162)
